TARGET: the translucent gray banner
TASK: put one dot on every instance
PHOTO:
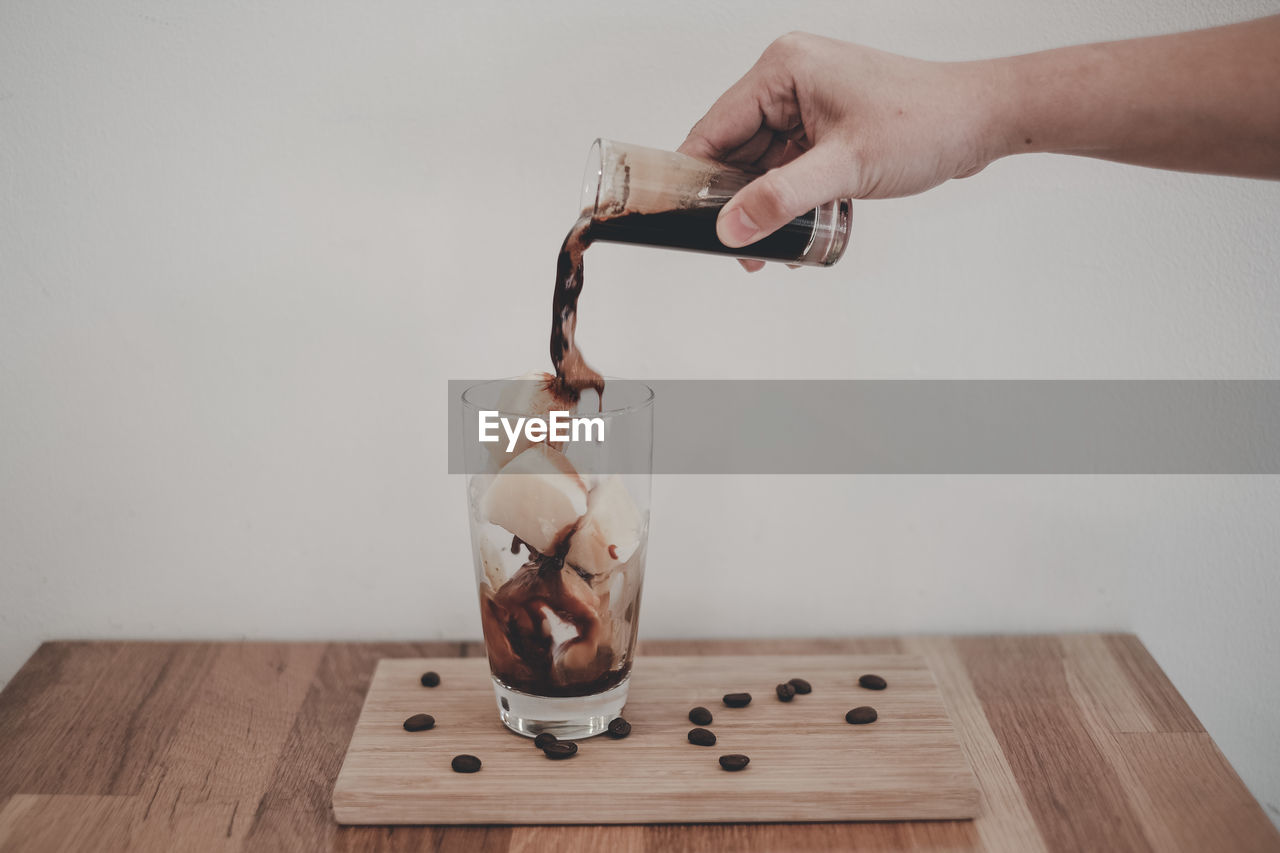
(951, 427)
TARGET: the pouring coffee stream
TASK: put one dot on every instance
(647, 197)
(573, 374)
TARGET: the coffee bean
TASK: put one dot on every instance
(505, 705)
(861, 716)
(786, 692)
(873, 682)
(702, 737)
(619, 728)
(544, 739)
(465, 764)
(700, 716)
(735, 761)
(802, 687)
(430, 679)
(560, 749)
(419, 723)
(737, 700)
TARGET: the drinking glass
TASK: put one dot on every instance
(559, 527)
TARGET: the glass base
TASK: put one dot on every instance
(566, 717)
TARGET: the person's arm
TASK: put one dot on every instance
(830, 119)
(1204, 101)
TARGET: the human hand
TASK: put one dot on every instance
(830, 119)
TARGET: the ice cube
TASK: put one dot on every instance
(609, 533)
(537, 496)
(530, 395)
(491, 562)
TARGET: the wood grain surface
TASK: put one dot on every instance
(807, 763)
(1078, 743)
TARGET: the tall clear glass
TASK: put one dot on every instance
(559, 526)
(650, 197)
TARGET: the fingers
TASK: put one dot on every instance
(779, 153)
(733, 120)
(752, 150)
(775, 198)
(752, 265)
(763, 100)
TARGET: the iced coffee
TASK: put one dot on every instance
(559, 531)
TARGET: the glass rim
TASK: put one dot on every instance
(646, 403)
(593, 177)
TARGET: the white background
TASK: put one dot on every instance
(243, 246)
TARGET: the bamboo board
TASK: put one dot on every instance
(807, 763)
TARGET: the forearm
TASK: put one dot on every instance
(1205, 101)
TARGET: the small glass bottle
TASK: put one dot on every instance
(648, 197)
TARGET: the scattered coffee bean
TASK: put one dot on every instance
(560, 749)
(786, 692)
(861, 716)
(465, 764)
(802, 687)
(700, 716)
(430, 679)
(702, 737)
(419, 723)
(737, 700)
(545, 739)
(873, 682)
(735, 761)
(619, 728)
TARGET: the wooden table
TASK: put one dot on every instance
(1080, 743)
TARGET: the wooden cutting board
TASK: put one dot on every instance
(807, 763)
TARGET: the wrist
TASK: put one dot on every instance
(1054, 101)
(1003, 124)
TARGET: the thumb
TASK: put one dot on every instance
(780, 195)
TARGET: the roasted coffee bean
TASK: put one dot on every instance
(873, 682)
(545, 739)
(737, 700)
(430, 679)
(802, 687)
(786, 692)
(560, 749)
(702, 737)
(619, 728)
(700, 716)
(736, 761)
(419, 723)
(861, 716)
(465, 764)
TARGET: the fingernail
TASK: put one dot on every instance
(735, 228)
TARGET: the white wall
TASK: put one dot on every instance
(243, 246)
